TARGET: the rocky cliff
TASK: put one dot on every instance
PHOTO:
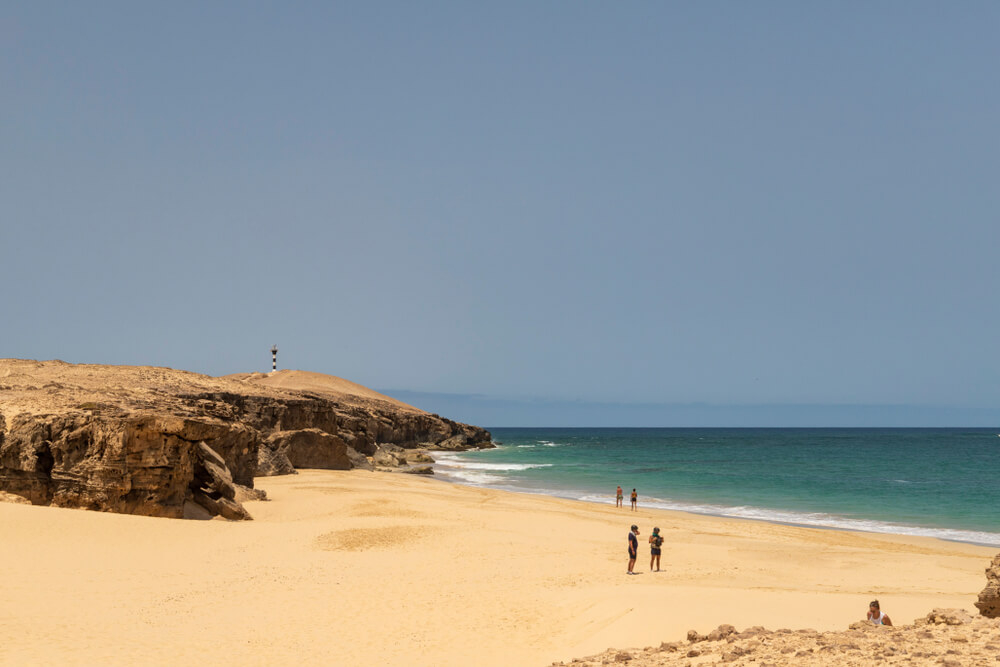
(989, 598)
(162, 442)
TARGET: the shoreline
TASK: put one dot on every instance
(818, 526)
(789, 517)
(359, 567)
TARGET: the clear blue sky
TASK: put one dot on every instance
(521, 213)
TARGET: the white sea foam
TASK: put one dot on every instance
(821, 520)
(471, 477)
(452, 466)
(456, 460)
(499, 467)
(597, 499)
(447, 458)
(811, 519)
(463, 464)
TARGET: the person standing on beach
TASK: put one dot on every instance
(876, 615)
(635, 501)
(655, 542)
(633, 547)
(618, 502)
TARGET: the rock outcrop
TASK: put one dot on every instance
(949, 637)
(306, 448)
(134, 464)
(160, 442)
(989, 598)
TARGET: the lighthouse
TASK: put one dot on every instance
(274, 358)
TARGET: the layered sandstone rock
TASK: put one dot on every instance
(161, 442)
(134, 464)
(989, 599)
(306, 448)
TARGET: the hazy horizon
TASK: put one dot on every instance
(494, 412)
(590, 212)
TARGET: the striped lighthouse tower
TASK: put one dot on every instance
(274, 358)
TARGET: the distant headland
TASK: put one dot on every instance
(164, 442)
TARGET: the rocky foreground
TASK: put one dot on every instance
(948, 637)
(162, 442)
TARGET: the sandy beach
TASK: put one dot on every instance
(362, 568)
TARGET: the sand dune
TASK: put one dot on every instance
(319, 383)
(360, 568)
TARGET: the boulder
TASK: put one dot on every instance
(946, 617)
(12, 498)
(224, 507)
(245, 493)
(387, 459)
(272, 462)
(211, 474)
(456, 442)
(989, 598)
(720, 633)
(418, 456)
(309, 448)
(418, 470)
(359, 460)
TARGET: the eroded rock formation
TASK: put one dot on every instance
(949, 637)
(161, 442)
(989, 598)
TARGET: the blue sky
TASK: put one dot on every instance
(784, 212)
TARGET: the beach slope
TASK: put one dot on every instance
(363, 568)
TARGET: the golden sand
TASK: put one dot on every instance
(359, 568)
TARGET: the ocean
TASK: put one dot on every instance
(931, 482)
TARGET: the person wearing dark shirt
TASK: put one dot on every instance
(633, 547)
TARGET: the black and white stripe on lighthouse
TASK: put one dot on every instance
(274, 358)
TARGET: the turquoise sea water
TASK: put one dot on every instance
(932, 482)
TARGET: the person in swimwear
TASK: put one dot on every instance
(618, 503)
(876, 615)
(633, 547)
(655, 542)
(635, 500)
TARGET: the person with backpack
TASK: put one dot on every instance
(655, 543)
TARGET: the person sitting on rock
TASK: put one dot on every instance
(876, 615)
